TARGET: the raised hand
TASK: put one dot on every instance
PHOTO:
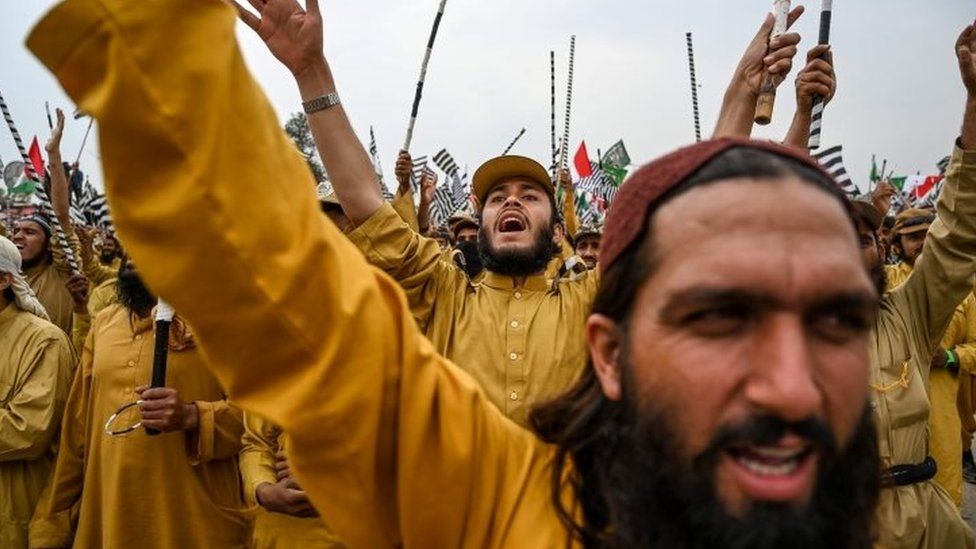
(78, 288)
(427, 186)
(882, 196)
(765, 56)
(565, 180)
(53, 145)
(292, 34)
(966, 53)
(404, 166)
(817, 79)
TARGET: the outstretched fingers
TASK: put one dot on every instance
(246, 16)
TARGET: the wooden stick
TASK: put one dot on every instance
(767, 93)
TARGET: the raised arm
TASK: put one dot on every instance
(763, 56)
(966, 54)
(817, 79)
(387, 438)
(569, 202)
(60, 193)
(428, 185)
(943, 274)
(294, 37)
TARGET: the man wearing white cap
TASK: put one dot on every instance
(36, 363)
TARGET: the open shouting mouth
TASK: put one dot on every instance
(511, 222)
(780, 472)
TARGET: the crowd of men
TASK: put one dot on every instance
(742, 357)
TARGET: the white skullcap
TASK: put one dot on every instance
(23, 295)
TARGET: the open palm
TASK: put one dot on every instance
(292, 34)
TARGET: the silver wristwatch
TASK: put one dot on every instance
(321, 103)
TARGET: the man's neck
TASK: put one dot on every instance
(38, 262)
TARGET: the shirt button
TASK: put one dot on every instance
(131, 363)
(138, 337)
(513, 356)
(515, 324)
(518, 295)
(513, 396)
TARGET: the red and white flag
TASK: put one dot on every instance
(35, 169)
(582, 162)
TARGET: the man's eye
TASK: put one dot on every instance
(840, 326)
(719, 321)
(530, 198)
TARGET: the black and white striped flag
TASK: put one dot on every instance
(97, 213)
(446, 163)
(419, 165)
(832, 160)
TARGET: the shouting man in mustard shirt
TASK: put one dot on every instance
(519, 334)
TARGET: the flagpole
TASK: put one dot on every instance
(816, 125)
(552, 109)
(84, 141)
(423, 76)
(694, 87)
(512, 145)
(569, 102)
(40, 190)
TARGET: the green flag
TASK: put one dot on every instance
(617, 156)
(26, 186)
(616, 174)
(874, 177)
(898, 182)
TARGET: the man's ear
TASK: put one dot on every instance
(475, 203)
(6, 281)
(604, 340)
(558, 233)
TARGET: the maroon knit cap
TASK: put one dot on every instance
(642, 190)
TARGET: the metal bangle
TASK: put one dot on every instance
(108, 424)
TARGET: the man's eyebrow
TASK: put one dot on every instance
(700, 296)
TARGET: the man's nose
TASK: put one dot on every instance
(783, 379)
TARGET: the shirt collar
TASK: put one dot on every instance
(533, 283)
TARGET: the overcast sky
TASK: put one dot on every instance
(899, 97)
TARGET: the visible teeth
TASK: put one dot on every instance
(776, 453)
(769, 470)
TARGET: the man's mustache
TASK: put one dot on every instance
(766, 430)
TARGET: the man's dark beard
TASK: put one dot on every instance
(470, 259)
(879, 276)
(518, 263)
(133, 293)
(649, 495)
